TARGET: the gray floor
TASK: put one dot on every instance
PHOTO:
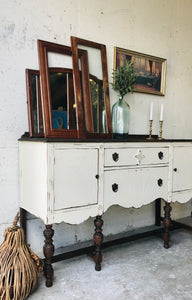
(141, 270)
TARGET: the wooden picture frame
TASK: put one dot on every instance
(34, 104)
(150, 70)
(34, 101)
(83, 88)
(44, 48)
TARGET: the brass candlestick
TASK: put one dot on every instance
(150, 130)
(160, 130)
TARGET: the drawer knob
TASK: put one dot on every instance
(160, 182)
(160, 154)
(97, 176)
(175, 169)
(115, 187)
(115, 156)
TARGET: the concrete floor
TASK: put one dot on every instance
(141, 270)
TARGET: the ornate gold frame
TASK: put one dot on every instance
(153, 83)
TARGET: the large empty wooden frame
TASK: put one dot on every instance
(93, 91)
(62, 117)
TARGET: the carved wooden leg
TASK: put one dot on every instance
(98, 239)
(23, 222)
(167, 222)
(48, 250)
(158, 212)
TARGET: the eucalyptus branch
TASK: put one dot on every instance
(123, 79)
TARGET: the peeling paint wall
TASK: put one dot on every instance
(157, 27)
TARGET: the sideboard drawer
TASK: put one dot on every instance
(136, 156)
(135, 187)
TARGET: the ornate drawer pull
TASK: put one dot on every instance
(115, 156)
(139, 156)
(115, 187)
(160, 182)
(160, 154)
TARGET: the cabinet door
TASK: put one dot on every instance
(182, 168)
(74, 178)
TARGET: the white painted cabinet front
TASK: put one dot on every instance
(182, 168)
(182, 172)
(75, 177)
(134, 187)
(72, 181)
(135, 175)
(68, 189)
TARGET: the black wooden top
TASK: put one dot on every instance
(131, 138)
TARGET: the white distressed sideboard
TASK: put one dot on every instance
(72, 181)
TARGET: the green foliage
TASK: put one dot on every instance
(123, 79)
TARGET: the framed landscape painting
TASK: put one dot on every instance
(150, 70)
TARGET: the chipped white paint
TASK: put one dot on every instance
(161, 28)
(67, 186)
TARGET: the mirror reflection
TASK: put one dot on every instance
(61, 91)
(37, 123)
(93, 96)
(97, 100)
(62, 99)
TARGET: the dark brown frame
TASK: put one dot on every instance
(43, 48)
(28, 75)
(75, 41)
(70, 95)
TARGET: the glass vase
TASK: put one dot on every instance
(120, 118)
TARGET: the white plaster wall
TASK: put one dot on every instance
(157, 27)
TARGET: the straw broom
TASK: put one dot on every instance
(19, 266)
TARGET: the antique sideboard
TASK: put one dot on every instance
(70, 181)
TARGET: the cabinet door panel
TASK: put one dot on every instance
(75, 183)
(182, 168)
(135, 187)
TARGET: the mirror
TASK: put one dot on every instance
(97, 102)
(60, 115)
(34, 105)
(62, 100)
(92, 91)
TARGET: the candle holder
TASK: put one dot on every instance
(150, 130)
(160, 130)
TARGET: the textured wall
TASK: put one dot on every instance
(157, 27)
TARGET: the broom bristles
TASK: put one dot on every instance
(18, 271)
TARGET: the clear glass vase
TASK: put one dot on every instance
(120, 118)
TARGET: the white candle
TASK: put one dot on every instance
(161, 114)
(151, 112)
